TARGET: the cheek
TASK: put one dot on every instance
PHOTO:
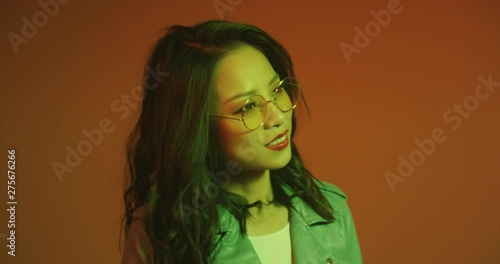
(288, 120)
(245, 148)
(229, 138)
(242, 147)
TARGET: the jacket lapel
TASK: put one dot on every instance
(309, 234)
(307, 231)
(234, 247)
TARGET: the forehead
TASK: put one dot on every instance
(243, 69)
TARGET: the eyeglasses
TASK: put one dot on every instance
(254, 112)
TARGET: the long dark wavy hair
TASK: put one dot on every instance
(171, 150)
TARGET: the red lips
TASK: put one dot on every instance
(278, 136)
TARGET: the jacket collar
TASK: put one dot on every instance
(308, 245)
(308, 215)
(301, 208)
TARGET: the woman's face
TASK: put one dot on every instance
(246, 70)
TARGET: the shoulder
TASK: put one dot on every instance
(140, 212)
(138, 247)
(335, 197)
(330, 190)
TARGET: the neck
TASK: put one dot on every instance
(253, 185)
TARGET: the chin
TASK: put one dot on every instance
(251, 158)
(271, 162)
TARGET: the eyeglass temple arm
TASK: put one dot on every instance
(239, 119)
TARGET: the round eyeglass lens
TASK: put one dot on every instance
(287, 98)
(287, 94)
(254, 112)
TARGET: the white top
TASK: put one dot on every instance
(274, 248)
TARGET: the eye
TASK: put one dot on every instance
(249, 106)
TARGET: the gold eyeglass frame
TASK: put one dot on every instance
(242, 119)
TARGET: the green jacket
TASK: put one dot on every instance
(314, 239)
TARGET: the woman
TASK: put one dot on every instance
(214, 174)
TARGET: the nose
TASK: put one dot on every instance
(274, 116)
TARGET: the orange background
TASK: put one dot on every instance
(364, 114)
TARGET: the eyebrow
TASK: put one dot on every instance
(253, 91)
